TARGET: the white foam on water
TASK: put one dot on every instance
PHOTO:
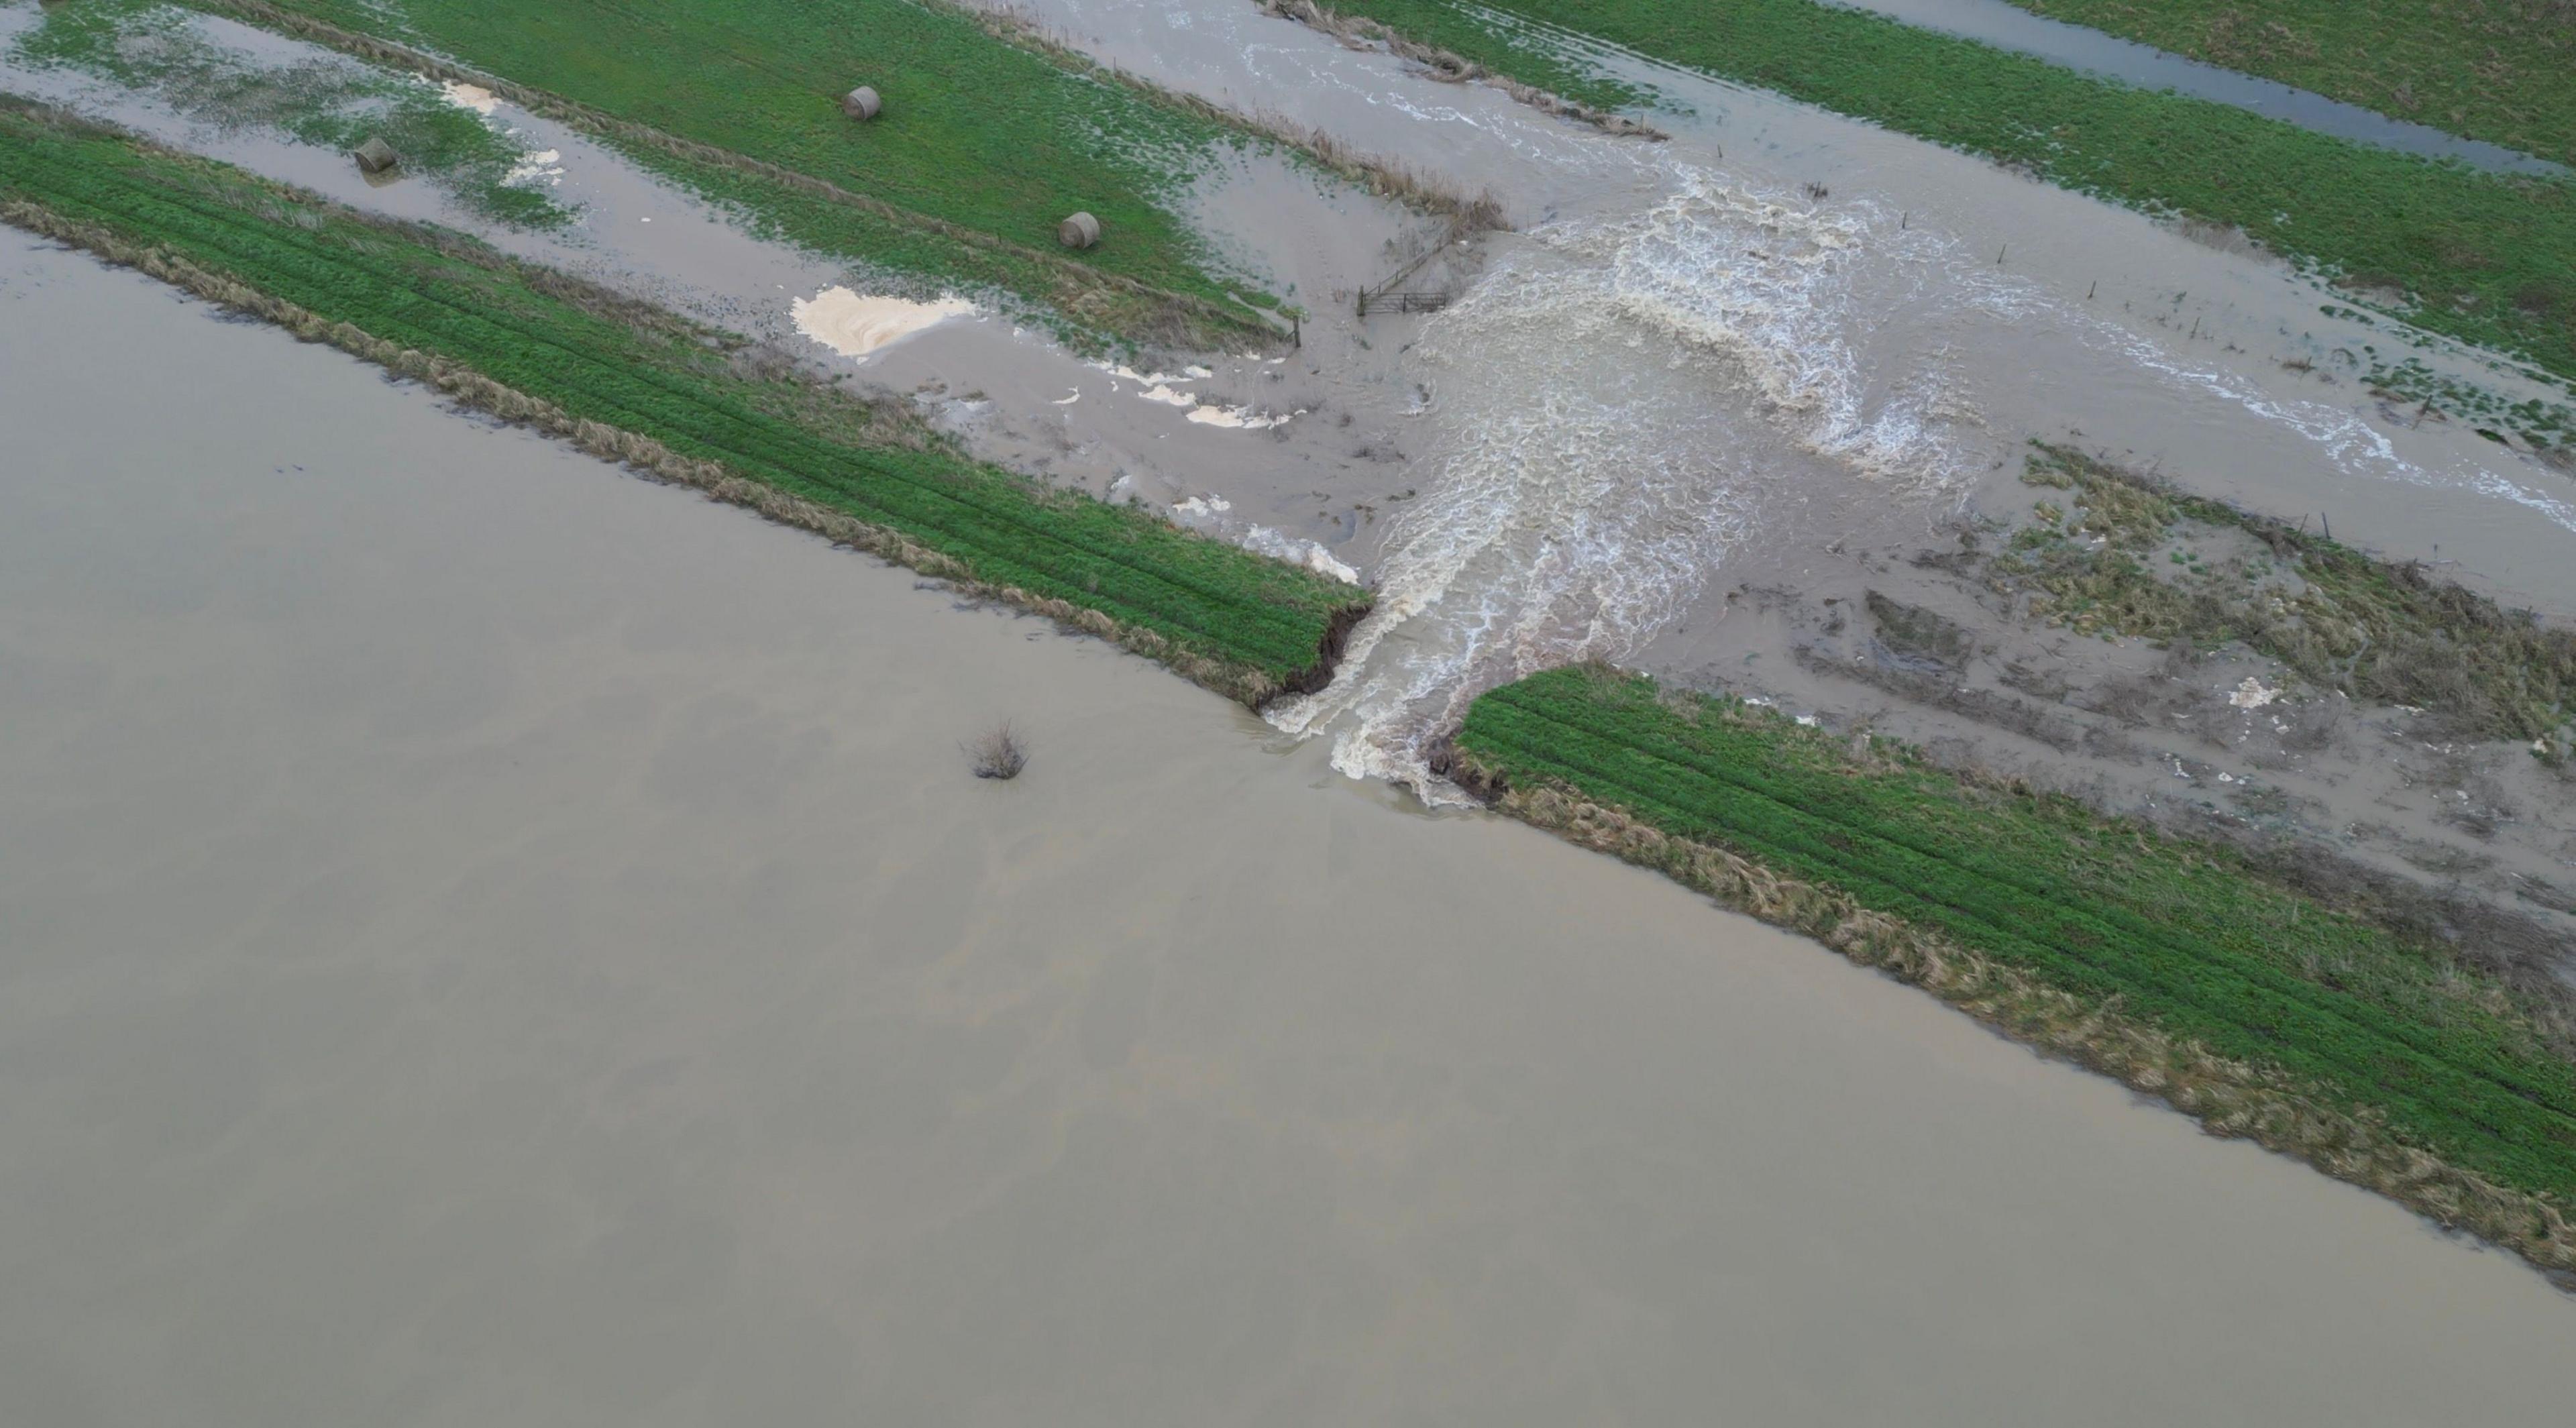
(1297, 551)
(469, 96)
(2347, 439)
(855, 326)
(1617, 400)
(544, 166)
(1239, 418)
(1208, 513)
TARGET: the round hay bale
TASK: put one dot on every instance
(375, 156)
(1079, 231)
(861, 103)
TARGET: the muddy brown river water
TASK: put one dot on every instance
(486, 940)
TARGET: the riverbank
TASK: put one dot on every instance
(679, 401)
(2171, 965)
(2478, 257)
(496, 941)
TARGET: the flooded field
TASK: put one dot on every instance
(492, 940)
(2005, 26)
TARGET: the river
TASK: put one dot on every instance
(490, 940)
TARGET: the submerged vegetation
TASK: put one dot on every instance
(998, 754)
(2124, 561)
(672, 398)
(2485, 258)
(2175, 965)
(979, 138)
(154, 47)
(2489, 69)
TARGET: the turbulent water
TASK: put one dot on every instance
(1622, 401)
(1780, 331)
(1785, 330)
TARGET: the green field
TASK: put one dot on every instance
(1240, 622)
(2183, 937)
(976, 132)
(150, 46)
(2497, 70)
(2488, 259)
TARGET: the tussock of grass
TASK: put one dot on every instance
(2342, 619)
(998, 754)
(2172, 964)
(1914, 630)
(669, 399)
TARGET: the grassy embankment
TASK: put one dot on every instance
(669, 397)
(983, 145)
(2488, 69)
(2337, 617)
(2172, 965)
(151, 46)
(2487, 259)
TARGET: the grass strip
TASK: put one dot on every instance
(2120, 562)
(2489, 69)
(1237, 621)
(2489, 259)
(977, 135)
(155, 47)
(2393, 1053)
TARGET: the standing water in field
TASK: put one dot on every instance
(1623, 402)
(494, 941)
(1785, 333)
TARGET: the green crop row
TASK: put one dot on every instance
(975, 131)
(439, 295)
(2489, 259)
(2490, 69)
(2177, 934)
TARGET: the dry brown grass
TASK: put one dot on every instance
(998, 754)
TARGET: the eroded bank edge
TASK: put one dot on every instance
(649, 457)
(2231, 1098)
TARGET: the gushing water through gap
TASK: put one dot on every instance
(1619, 400)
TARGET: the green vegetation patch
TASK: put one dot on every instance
(2123, 561)
(2547, 427)
(975, 131)
(2182, 936)
(2486, 258)
(155, 48)
(2490, 69)
(604, 359)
